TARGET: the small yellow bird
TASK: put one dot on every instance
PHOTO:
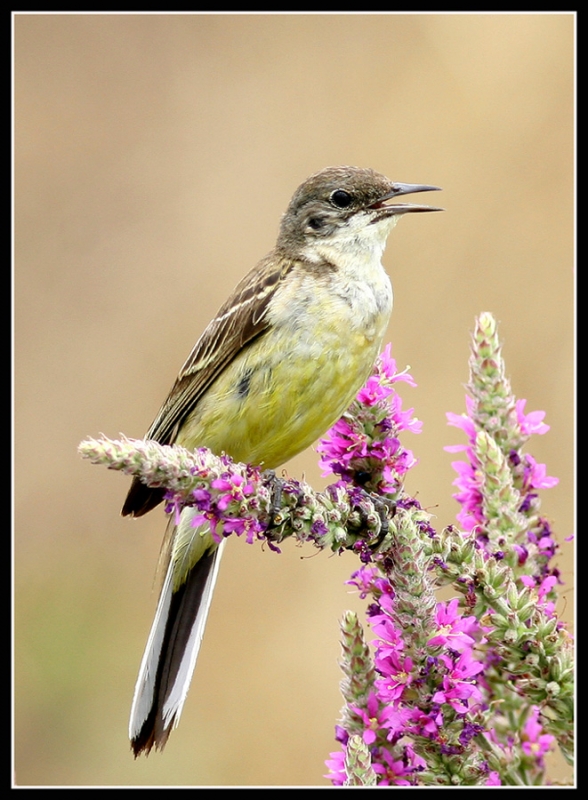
(278, 365)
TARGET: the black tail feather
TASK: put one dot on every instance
(183, 610)
(141, 499)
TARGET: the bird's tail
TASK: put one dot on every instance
(172, 649)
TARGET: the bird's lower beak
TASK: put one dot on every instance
(398, 189)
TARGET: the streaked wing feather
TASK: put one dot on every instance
(240, 320)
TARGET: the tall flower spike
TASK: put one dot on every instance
(498, 483)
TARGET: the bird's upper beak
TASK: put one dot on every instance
(397, 189)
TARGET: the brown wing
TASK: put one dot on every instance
(240, 320)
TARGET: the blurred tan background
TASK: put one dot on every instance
(154, 157)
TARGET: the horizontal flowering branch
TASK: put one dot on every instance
(238, 498)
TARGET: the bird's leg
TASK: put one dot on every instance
(384, 508)
(276, 499)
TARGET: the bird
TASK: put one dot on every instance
(278, 365)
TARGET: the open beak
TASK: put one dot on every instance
(398, 189)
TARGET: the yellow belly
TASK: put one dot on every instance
(286, 388)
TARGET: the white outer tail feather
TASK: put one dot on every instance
(143, 698)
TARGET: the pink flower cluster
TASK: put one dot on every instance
(416, 694)
(228, 506)
(434, 700)
(363, 446)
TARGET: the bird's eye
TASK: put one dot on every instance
(316, 223)
(341, 199)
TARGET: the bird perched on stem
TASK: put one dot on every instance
(278, 365)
